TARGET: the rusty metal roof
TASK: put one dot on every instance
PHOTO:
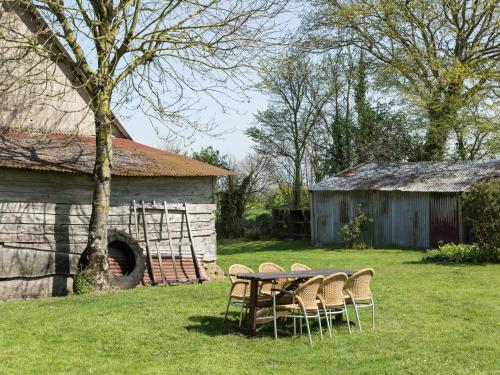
(76, 154)
(444, 176)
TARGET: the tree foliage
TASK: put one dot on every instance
(442, 55)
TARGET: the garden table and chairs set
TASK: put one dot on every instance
(273, 294)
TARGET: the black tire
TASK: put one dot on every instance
(129, 244)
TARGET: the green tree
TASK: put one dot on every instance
(441, 54)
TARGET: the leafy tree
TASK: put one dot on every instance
(440, 54)
(153, 53)
(235, 192)
(212, 156)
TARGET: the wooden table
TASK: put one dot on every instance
(256, 277)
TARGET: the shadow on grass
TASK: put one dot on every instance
(214, 325)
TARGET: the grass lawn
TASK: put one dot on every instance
(430, 319)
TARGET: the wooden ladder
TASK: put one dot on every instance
(166, 210)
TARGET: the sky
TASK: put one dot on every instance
(231, 124)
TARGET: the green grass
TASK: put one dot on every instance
(430, 319)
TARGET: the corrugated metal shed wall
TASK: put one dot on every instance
(400, 219)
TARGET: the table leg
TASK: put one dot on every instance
(252, 316)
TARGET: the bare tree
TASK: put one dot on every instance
(151, 53)
(441, 54)
(298, 96)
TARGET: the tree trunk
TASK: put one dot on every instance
(297, 185)
(442, 119)
(95, 259)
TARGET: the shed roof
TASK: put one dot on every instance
(444, 176)
(76, 154)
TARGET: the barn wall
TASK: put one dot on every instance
(44, 223)
(400, 219)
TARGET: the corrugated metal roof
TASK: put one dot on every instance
(76, 154)
(445, 176)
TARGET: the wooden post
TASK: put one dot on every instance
(146, 237)
(193, 252)
(160, 262)
(167, 220)
(136, 223)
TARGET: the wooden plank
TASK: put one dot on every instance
(193, 252)
(148, 249)
(170, 242)
(54, 285)
(86, 209)
(32, 263)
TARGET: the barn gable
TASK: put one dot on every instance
(37, 94)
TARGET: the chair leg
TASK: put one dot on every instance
(295, 326)
(241, 313)
(320, 328)
(358, 322)
(275, 322)
(329, 326)
(347, 318)
(227, 308)
(300, 325)
(308, 329)
(373, 314)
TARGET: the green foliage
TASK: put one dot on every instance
(211, 156)
(351, 232)
(83, 281)
(462, 253)
(232, 206)
(481, 211)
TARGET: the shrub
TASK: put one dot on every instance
(83, 281)
(351, 232)
(252, 234)
(462, 253)
(481, 211)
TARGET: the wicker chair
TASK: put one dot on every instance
(359, 293)
(332, 301)
(304, 306)
(299, 267)
(265, 288)
(240, 290)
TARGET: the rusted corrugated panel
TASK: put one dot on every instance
(444, 219)
(76, 154)
(444, 176)
(408, 220)
(185, 270)
(400, 219)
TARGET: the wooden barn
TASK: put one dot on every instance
(413, 205)
(47, 147)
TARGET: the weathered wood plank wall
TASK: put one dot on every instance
(44, 223)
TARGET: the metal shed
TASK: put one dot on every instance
(415, 205)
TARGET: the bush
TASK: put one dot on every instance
(351, 232)
(462, 253)
(481, 211)
(83, 281)
(252, 234)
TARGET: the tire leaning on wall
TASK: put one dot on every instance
(130, 245)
